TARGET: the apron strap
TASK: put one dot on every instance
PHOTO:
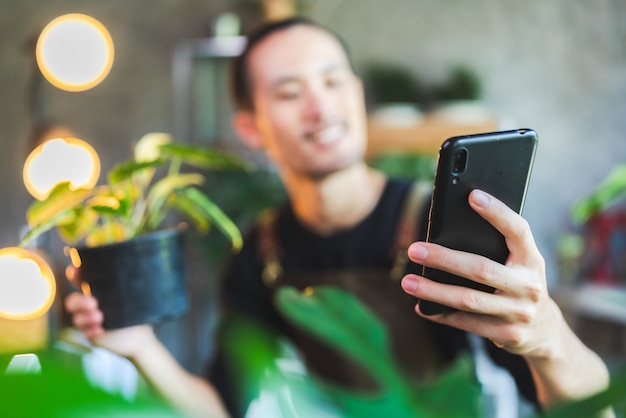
(406, 232)
(409, 226)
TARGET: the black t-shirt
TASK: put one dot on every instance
(367, 246)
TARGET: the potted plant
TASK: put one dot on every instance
(123, 235)
(459, 98)
(595, 252)
(393, 93)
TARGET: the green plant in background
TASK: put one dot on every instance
(413, 166)
(135, 200)
(243, 195)
(389, 83)
(462, 84)
(610, 191)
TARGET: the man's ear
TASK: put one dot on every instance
(245, 127)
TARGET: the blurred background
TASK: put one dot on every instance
(557, 67)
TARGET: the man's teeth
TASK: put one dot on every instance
(329, 134)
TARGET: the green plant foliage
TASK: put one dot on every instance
(60, 392)
(243, 195)
(342, 321)
(611, 190)
(389, 83)
(414, 166)
(136, 200)
(463, 84)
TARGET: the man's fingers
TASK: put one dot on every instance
(510, 224)
(471, 266)
(77, 302)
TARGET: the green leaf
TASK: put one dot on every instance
(341, 320)
(108, 232)
(125, 171)
(60, 199)
(161, 191)
(609, 191)
(59, 208)
(203, 157)
(197, 205)
(82, 223)
(64, 217)
(110, 205)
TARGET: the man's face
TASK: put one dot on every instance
(309, 105)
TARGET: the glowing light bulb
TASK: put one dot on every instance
(27, 285)
(58, 160)
(75, 52)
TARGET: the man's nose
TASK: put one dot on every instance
(318, 105)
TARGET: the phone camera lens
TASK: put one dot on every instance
(459, 161)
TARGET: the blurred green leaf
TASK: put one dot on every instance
(196, 204)
(125, 171)
(339, 319)
(611, 190)
(160, 192)
(203, 157)
(60, 199)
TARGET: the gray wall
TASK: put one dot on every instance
(558, 67)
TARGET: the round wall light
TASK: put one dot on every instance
(58, 160)
(75, 52)
(27, 285)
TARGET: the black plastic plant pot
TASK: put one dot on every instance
(141, 281)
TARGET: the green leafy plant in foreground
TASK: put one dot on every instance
(341, 320)
(135, 200)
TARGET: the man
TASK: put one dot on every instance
(300, 101)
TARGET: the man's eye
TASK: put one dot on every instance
(335, 80)
(288, 94)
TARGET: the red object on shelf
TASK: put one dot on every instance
(605, 256)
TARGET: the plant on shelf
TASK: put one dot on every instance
(596, 250)
(127, 244)
(463, 84)
(391, 83)
(606, 194)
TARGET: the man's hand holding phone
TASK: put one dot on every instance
(519, 316)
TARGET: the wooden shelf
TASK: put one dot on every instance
(424, 137)
(604, 303)
(597, 313)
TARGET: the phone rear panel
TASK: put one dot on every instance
(498, 163)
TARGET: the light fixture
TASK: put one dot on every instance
(58, 160)
(75, 52)
(27, 285)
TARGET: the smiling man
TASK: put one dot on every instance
(299, 100)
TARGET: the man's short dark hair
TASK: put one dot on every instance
(241, 86)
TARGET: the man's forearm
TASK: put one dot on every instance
(571, 372)
(188, 393)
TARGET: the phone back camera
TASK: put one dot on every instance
(459, 161)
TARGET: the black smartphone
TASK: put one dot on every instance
(498, 163)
